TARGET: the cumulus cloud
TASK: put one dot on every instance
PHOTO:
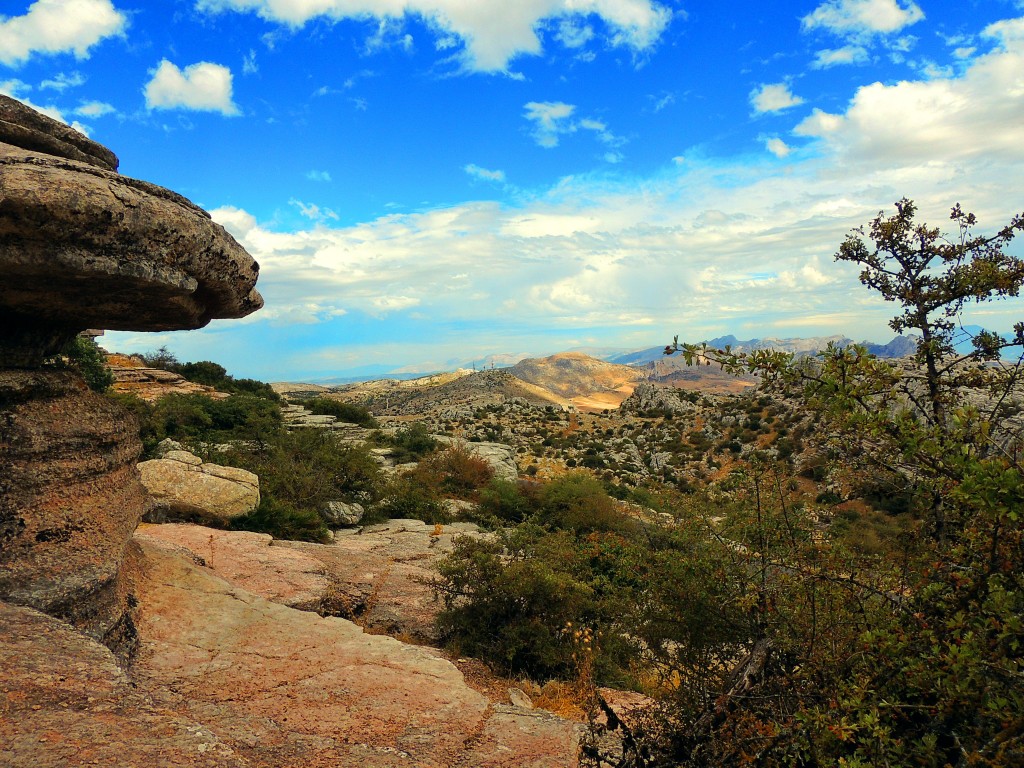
(58, 26)
(977, 114)
(202, 87)
(483, 173)
(94, 109)
(17, 89)
(705, 247)
(318, 176)
(493, 32)
(62, 81)
(773, 98)
(832, 57)
(863, 18)
(550, 118)
(777, 147)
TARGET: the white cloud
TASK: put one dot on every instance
(318, 176)
(704, 247)
(94, 109)
(62, 81)
(314, 212)
(493, 32)
(942, 118)
(249, 65)
(483, 173)
(777, 147)
(58, 26)
(773, 98)
(203, 87)
(551, 118)
(574, 33)
(863, 18)
(832, 57)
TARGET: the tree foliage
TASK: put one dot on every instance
(913, 659)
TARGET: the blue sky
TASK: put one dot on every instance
(425, 182)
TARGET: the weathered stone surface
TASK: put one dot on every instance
(183, 487)
(70, 498)
(65, 702)
(379, 575)
(500, 457)
(81, 246)
(338, 514)
(252, 561)
(84, 247)
(288, 688)
(647, 397)
(23, 127)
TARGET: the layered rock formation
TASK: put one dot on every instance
(83, 247)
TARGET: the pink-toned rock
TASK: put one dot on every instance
(252, 561)
(379, 575)
(290, 688)
(64, 702)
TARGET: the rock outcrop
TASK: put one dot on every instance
(378, 575)
(499, 457)
(183, 487)
(132, 376)
(83, 247)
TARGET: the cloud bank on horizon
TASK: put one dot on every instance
(429, 181)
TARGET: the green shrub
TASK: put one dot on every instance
(347, 412)
(412, 443)
(405, 497)
(88, 358)
(577, 501)
(454, 472)
(283, 520)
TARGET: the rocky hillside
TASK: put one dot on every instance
(453, 395)
(575, 375)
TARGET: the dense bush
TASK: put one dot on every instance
(84, 354)
(412, 443)
(455, 472)
(283, 520)
(308, 467)
(347, 412)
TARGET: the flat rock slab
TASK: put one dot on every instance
(378, 575)
(65, 702)
(252, 561)
(290, 688)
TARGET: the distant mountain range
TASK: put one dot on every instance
(900, 346)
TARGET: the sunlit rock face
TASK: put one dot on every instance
(84, 247)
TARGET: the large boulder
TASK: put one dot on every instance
(183, 487)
